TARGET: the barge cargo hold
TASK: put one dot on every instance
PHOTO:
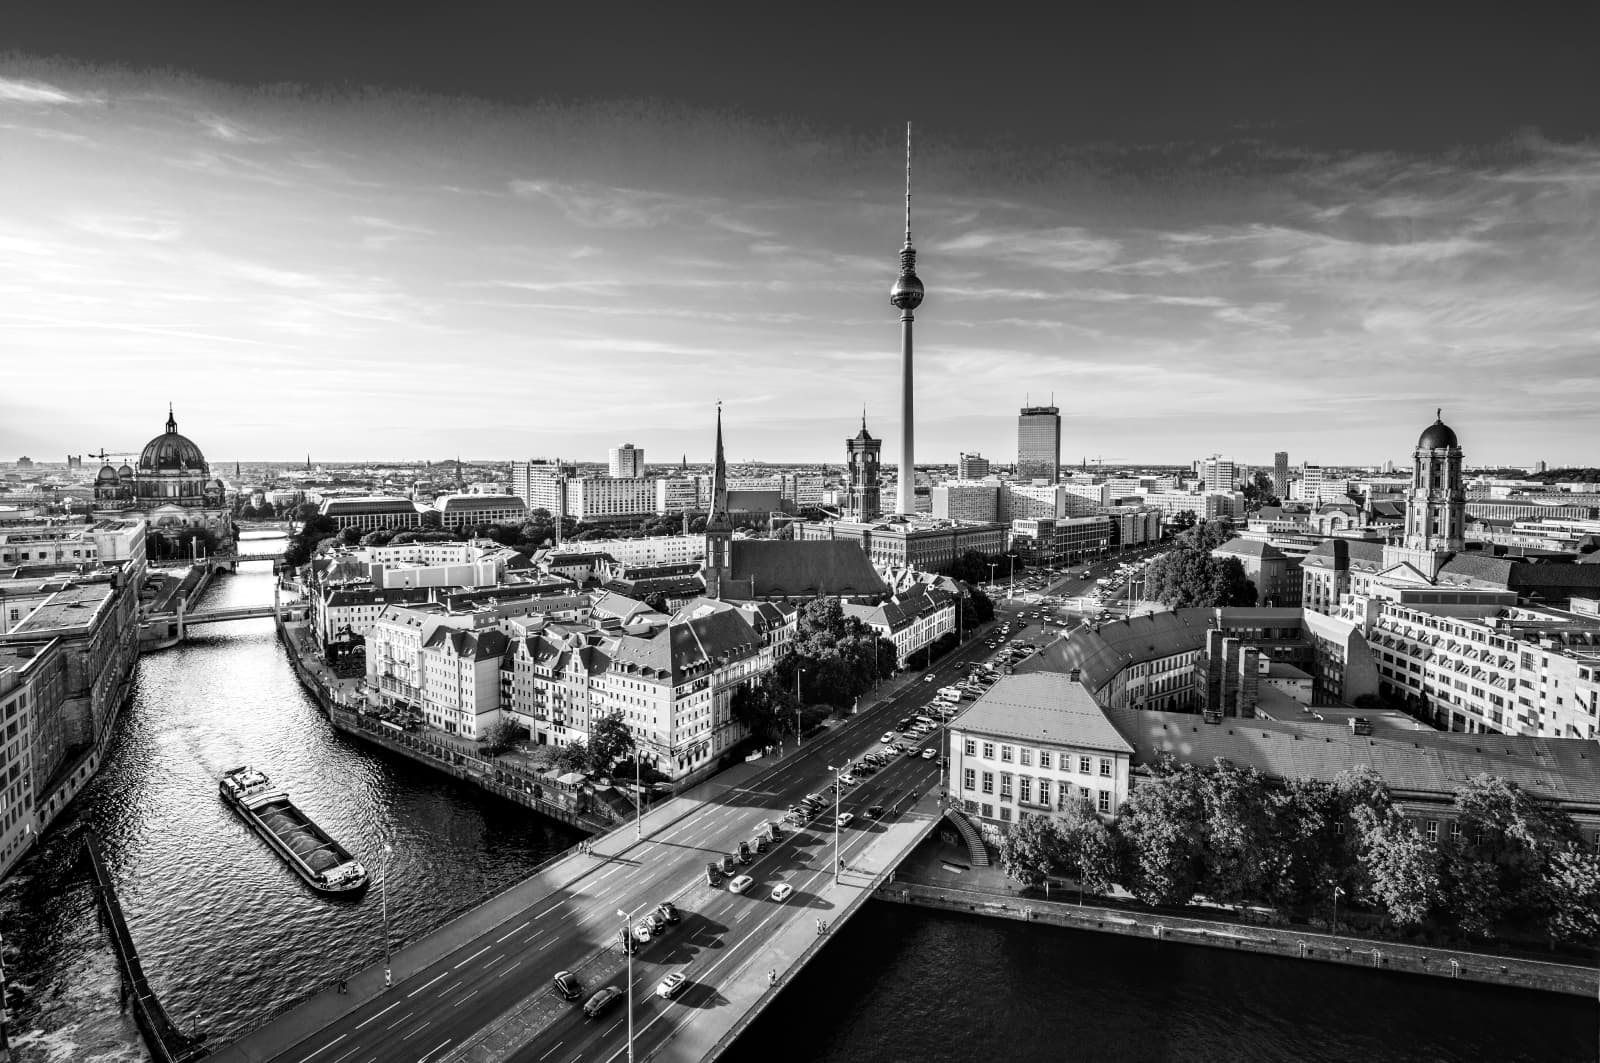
(323, 863)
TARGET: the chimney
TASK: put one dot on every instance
(1249, 693)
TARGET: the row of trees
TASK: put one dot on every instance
(1507, 860)
(837, 658)
(1186, 575)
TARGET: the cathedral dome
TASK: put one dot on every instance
(107, 474)
(1437, 436)
(171, 451)
(125, 472)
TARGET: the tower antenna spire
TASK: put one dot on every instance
(908, 184)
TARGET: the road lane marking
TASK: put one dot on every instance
(465, 997)
(327, 1046)
(508, 933)
(451, 987)
(529, 940)
(557, 1045)
(426, 984)
(494, 961)
(613, 1026)
(398, 1021)
(546, 945)
(431, 1051)
(380, 1014)
(469, 959)
(414, 1033)
(613, 871)
(550, 909)
(348, 1054)
(508, 970)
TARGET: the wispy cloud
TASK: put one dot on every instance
(38, 92)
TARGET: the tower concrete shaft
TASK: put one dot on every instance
(906, 295)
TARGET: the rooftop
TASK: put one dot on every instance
(1044, 707)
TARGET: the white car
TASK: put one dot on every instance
(847, 779)
(888, 738)
(929, 753)
(671, 985)
(740, 884)
(846, 818)
(782, 891)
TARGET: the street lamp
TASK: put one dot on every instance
(992, 566)
(1011, 574)
(638, 798)
(798, 741)
(838, 858)
(1338, 891)
(627, 926)
(383, 897)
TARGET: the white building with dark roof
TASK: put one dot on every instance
(913, 619)
(1031, 744)
(467, 511)
(372, 512)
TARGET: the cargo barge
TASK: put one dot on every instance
(323, 863)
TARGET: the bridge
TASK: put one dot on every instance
(478, 987)
(234, 612)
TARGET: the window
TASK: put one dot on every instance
(1102, 802)
(1083, 766)
(1044, 759)
(988, 751)
(988, 783)
(1005, 754)
(988, 811)
(1431, 830)
(1025, 756)
(969, 779)
(1005, 813)
(1025, 789)
(1044, 792)
(1105, 767)
(970, 747)
(1455, 831)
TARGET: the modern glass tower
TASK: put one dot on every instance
(1039, 444)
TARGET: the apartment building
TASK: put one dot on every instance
(913, 619)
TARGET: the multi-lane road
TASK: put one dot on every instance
(433, 1010)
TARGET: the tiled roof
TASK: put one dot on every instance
(1427, 764)
(1101, 654)
(699, 635)
(774, 568)
(1045, 707)
(1362, 554)
(472, 645)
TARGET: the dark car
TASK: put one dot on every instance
(629, 943)
(567, 986)
(875, 812)
(713, 874)
(668, 911)
(601, 1001)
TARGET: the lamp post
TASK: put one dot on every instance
(798, 741)
(627, 926)
(1011, 574)
(638, 798)
(1337, 892)
(838, 858)
(383, 897)
(992, 566)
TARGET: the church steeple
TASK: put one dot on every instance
(172, 424)
(719, 527)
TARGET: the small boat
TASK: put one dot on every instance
(323, 863)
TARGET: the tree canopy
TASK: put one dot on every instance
(1187, 575)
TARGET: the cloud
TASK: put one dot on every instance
(128, 227)
(599, 207)
(14, 91)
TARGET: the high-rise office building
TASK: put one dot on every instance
(1280, 474)
(1039, 444)
(1217, 473)
(972, 467)
(627, 461)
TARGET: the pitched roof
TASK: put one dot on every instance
(775, 568)
(1425, 763)
(1101, 654)
(1044, 707)
(472, 645)
(1249, 548)
(699, 636)
(1362, 554)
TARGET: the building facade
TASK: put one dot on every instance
(862, 453)
(626, 461)
(1039, 444)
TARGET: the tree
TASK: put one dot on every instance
(501, 737)
(1309, 856)
(839, 656)
(609, 741)
(1496, 858)
(1239, 835)
(1400, 868)
(1183, 520)
(657, 601)
(1163, 823)
(1088, 847)
(381, 537)
(1572, 878)
(1032, 850)
(574, 756)
(1260, 491)
(976, 608)
(1187, 575)
(766, 708)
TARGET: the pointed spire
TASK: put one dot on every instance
(718, 519)
(908, 184)
(172, 424)
(863, 417)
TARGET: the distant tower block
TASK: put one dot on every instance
(906, 295)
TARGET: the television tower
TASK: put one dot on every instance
(907, 295)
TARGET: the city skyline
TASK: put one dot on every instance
(496, 260)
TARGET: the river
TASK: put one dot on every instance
(228, 935)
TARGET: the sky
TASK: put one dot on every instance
(510, 231)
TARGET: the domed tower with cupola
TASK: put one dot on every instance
(171, 486)
(861, 459)
(1436, 504)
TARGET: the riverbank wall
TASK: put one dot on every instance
(1241, 937)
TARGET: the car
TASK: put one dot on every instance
(671, 985)
(888, 738)
(847, 818)
(668, 911)
(782, 891)
(848, 779)
(601, 1001)
(929, 753)
(567, 986)
(930, 679)
(740, 884)
(875, 812)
